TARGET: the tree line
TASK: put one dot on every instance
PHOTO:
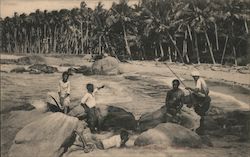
(188, 31)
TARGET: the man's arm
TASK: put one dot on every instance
(59, 89)
(192, 89)
(68, 91)
(196, 91)
(98, 88)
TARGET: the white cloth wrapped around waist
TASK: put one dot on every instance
(114, 141)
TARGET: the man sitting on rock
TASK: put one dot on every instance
(201, 98)
(174, 100)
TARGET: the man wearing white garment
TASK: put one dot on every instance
(201, 97)
(89, 104)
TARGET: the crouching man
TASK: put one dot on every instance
(201, 99)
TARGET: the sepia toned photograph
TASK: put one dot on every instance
(125, 78)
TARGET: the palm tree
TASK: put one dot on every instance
(151, 29)
(122, 17)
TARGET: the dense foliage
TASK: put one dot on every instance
(190, 31)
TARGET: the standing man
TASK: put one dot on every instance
(64, 92)
(174, 99)
(89, 104)
(201, 98)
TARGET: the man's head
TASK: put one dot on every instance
(90, 87)
(124, 137)
(175, 84)
(195, 75)
(65, 76)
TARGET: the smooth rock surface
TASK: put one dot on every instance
(169, 134)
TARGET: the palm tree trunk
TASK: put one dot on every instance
(26, 41)
(15, 41)
(44, 32)
(224, 50)
(235, 56)
(210, 48)
(76, 45)
(156, 53)
(8, 44)
(185, 48)
(86, 36)
(126, 41)
(67, 46)
(175, 46)
(190, 36)
(100, 45)
(196, 48)
(45, 45)
(190, 33)
(107, 40)
(38, 41)
(82, 42)
(161, 49)
(216, 36)
(26, 44)
(246, 27)
(55, 40)
(175, 51)
(169, 54)
(51, 40)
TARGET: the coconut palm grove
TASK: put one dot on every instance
(186, 31)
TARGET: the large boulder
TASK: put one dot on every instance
(169, 134)
(106, 66)
(77, 111)
(187, 118)
(48, 137)
(13, 123)
(18, 70)
(28, 60)
(152, 119)
(235, 123)
(113, 118)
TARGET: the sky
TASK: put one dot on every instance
(8, 7)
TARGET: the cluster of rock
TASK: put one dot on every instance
(36, 69)
(105, 66)
(55, 134)
(28, 60)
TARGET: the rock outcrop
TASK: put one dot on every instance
(49, 137)
(116, 118)
(169, 134)
(19, 70)
(42, 68)
(106, 66)
(187, 118)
